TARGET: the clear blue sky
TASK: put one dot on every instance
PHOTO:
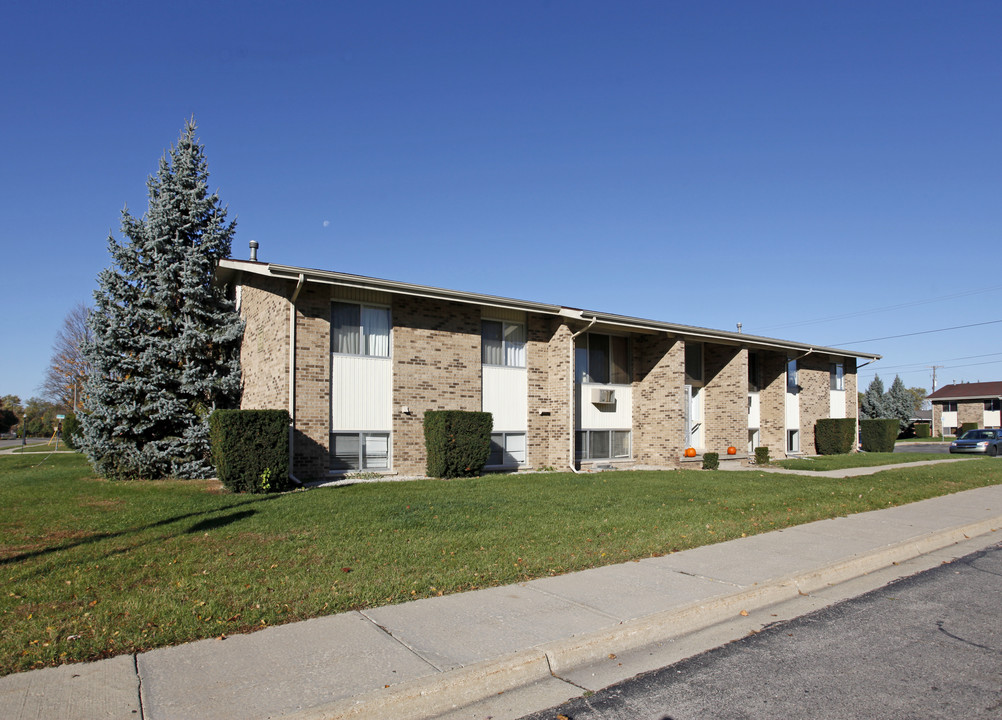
(777, 164)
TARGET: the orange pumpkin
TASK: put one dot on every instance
(732, 450)
(690, 452)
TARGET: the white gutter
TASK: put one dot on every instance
(571, 403)
(292, 376)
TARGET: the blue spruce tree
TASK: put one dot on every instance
(165, 339)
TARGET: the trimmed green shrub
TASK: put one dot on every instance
(711, 461)
(879, 435)
(922, 430)
(965, 427)
(250, 449)
(834, 436)
(458, 442)
(762, 455)
(71, 429)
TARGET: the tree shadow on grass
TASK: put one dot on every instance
(209, 523)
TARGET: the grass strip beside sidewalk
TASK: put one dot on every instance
(93, 568)
(855, 460)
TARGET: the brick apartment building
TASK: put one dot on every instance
(954, 405)
(357, 361)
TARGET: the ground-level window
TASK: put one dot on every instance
(360, 451)
(507, 449)
(793, 441)
(602, 444)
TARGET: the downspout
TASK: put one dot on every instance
(855, 439)
(570, 383)
(292, 377)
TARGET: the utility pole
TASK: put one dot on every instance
(934, 368)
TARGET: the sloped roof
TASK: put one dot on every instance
(968, 391)
(230, 270)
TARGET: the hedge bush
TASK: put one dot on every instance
(711, 461)
(834, 436)
(879, 435)
(71, 429)
(250, 449)
(922, 430)
(762, 455)
(458, 442)
(965, 427)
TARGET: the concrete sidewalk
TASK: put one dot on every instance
(504, 652)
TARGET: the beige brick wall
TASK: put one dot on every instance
(725, 407)
(814, 377)
(436, 366)
(313, 373)
(971, 412)
(264, 352)
(772, 403)
(548, 367)
(658, 412)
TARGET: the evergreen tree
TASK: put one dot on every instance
(899, 403)
(164, 339)
(872, 404)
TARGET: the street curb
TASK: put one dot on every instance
(426, 697)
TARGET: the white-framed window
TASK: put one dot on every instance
(791, 376)
(693, 363)
(837, 372)
(792, 441)
(993, 405)
(360, 329)
(360, 451)
(603, 359)
(602, 444)
(502, 343)
(507, 449)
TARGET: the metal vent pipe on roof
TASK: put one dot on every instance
(253, 250)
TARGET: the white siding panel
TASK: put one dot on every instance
(991, 419)
(506, 396)
(837, 404)
(949, 420)
(361, 393)
(617, 416)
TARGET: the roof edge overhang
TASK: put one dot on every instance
(328, 277)
(954, 398)
(229, 268)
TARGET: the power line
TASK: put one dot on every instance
(886, 308)
(921, 332)
(926, 363)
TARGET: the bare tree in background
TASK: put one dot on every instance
(69, 368)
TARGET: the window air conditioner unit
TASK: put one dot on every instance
(603, 397)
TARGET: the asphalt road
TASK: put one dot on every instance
(928, 646)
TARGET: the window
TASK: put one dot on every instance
(602, 359)
(693, 362)
(502, 343)
(950, 407)
(754, 373)
(507, 449)
(837, 376)
(993, 405)
(360, 451)
(793, 441)
(360, 330)
(602, 444)
(791, 376)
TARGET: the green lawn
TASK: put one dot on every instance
(853, 460)
(93, 568)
